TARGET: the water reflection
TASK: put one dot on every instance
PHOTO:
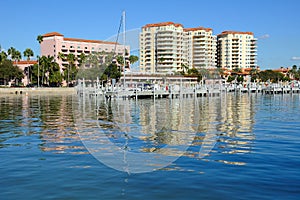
(211, 128)
(164, 128)
(47, 116)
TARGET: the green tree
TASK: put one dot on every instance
(82, 59)
(240, 79)
(39, 38)
(133, 59)
(270, 75)
(120, 60)
(71, 70)
(3, 56)
(9, 72)
(230, 79)
(11, 52)
(49, 71)
(185, 68)
(28, 53)
(14, 54)
(111, 72)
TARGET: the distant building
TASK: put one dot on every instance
(54, 43)
(201, 47)
(23, 65)
(237, 50)
(169, 47)
(161, 48)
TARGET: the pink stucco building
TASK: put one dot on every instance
(53, 43)
(24, 64)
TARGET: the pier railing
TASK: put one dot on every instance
(179, 91)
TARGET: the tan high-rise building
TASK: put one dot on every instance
(169, 48)
(237, 50)
(161, 48)
(201, 47)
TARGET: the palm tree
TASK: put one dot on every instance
(3, 56)
(39, 38)
(71, 60)
(82, 58)
(28, 53)
(50, 71)
(185, 68)
(61, 56)
(14, 54)
(18, 56)
(133, 59)
(11, 52)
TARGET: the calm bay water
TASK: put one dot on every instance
(228, 147)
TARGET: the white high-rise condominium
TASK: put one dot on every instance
(168, 48)
(201, 47)
(237, 50)
(161, 48)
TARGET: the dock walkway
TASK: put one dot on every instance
(182, 92)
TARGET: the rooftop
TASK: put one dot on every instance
(25, 62)
(77, 40)
(234, 32)
(163, 24)
(52, 34)
(198, 29)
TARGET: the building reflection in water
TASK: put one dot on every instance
(51, 117)
(215, 124)
(211, 128)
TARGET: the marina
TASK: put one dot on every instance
(182, 90)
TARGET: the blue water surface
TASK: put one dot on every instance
(256, 154)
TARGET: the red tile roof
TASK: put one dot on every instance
(282, 70)
(234, 32)
(52, 34)
(89, 41)
(200, 28)
(25, 62)
(162, 24)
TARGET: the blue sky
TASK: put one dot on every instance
(276, 23)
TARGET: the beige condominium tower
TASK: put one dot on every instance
(237, 50)
(169, 48)
(161, 48)
(200, 47)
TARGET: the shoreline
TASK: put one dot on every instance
(48, 90)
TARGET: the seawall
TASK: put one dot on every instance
(48, 90)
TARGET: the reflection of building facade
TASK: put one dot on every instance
(229, 119)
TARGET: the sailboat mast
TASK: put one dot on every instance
(124, 39)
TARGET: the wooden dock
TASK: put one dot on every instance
(181, 91)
